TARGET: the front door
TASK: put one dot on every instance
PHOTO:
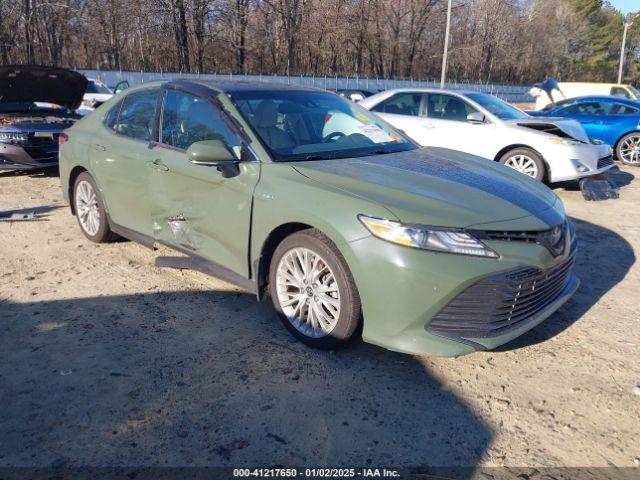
(446, 116)
(596, 117)
(194, 207)
(119, 156)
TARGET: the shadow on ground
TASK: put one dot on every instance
(41, 211)
(604, 258)
(622, 179)
(192, 378)
(43, 172)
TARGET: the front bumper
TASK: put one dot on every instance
(572, 162)
(403, 290)
(28, 157)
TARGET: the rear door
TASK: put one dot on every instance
(119, 158)
(195, 208)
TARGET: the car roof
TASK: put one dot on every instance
(595, 84)
(231, 86)
(602, 98)
(429, 90)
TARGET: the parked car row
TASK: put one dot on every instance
(550, 149)
(343, 220)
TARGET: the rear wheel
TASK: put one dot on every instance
(90, 212)
(313, 291)
(525, 160)
(628, 149)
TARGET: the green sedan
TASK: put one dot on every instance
(345, 223)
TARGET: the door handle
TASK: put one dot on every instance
(428, 125)
(100, 148)
(158, 165)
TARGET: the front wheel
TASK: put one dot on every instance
(628, 149)
(525, 160)
(313, 291)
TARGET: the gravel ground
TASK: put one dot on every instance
(107, 360)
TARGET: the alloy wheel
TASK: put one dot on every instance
(87, 207)
(630, 149)
(523, 164)
(308, 292)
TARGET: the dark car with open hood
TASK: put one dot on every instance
(36, 105)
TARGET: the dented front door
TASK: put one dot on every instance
(194, 207)
(198, 210)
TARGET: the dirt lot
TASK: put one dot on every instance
(107, 360)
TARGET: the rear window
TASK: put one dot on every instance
(111, 120)
(401, 104)
(620, 92)
(137, 115)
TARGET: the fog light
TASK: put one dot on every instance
(580, 166)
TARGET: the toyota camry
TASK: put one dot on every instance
(303, 197)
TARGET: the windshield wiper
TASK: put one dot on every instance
(318, 157)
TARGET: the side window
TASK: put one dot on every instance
(620, 109)
(620, 92)
(448, 107)
(584, 108)
(187, 119)
(137, 115)
(111, 119)
(401, 104)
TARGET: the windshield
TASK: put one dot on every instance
(635, 91)
(500, 109)
(96, 87)
(303, 125)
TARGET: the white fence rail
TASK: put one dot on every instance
(510, 93)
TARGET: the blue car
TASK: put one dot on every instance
(613, 120)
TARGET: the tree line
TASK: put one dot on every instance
(509, 41)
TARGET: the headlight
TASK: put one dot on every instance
(564, 141)
(7, 137)
(427, 238)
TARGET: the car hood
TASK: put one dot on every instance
(442, 187)
(569, 127)
(29, 83)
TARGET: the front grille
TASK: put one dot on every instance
(42, 149)
(552, 239)
(605, 161)
(497, 304)
(524, 236)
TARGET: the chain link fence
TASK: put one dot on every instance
(509, 93)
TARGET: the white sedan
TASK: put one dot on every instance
(547, 149)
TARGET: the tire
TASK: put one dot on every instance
(529, 161)
(628, 149)
(89, 209)
(337, 308)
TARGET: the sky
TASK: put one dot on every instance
(626, 6)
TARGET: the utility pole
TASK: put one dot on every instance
(446, 46)
(624, 41)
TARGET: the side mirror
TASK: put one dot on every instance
(476, 117)
(123, 85)
(214, 153)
